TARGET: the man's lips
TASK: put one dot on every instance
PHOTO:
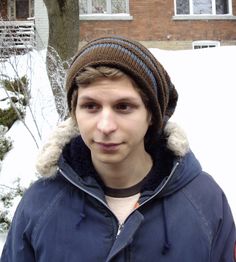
(108, 146)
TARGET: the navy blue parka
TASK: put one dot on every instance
(184, 216)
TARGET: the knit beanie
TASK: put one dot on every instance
(137, 62)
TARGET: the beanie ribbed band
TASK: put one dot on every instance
(136, 61)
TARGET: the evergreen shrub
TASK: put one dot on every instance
(8, 198)
(17, 85)
(5, 143)
(8, 116)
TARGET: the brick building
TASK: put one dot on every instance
(167, 24)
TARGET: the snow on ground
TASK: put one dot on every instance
(19, 162)
(206, 83)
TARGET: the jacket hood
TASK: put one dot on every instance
(47, 161)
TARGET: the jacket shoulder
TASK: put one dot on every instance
(38, 201)
(43, 191)
(205, 195)
(209, 203)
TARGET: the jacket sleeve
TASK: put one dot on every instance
(223, 249)
(17, 247)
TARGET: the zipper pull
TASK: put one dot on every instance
(120, 227)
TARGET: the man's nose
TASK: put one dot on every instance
(106, 122)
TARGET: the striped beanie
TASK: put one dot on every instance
(136, 61)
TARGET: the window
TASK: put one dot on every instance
(22, 9)
(3, 8)
(205, 44)
(202, 7)
(103, 7)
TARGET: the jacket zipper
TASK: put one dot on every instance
(163, 186)
(158, 192)
(120, 226)
(84, 190)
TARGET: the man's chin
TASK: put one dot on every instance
(109, 159)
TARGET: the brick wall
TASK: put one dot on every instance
(153, 23)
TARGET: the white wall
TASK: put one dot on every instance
(41, 24)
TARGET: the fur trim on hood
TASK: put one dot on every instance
(48, 157)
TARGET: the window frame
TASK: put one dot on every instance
(106, 16)
(213, 14)
(12, 12)
(205, 44)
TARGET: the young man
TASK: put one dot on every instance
(121, 182)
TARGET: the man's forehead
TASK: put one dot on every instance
(119, 90)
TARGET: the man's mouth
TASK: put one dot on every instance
(108, 146)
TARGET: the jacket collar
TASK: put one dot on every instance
(47, 161)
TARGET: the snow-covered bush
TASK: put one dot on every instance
(18, 86)
(14, 96)
(9, 197)
(5, 143)
(9, 116)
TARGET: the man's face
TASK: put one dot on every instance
(112, 120)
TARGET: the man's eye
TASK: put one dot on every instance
(124, 107)
(90, 107)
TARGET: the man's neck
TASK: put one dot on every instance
(125, 174)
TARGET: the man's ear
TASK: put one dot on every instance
(150, 122)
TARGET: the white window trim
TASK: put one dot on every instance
(105, 17)
(204, 17)
(109, 8)
(205, 43)
(213, 14)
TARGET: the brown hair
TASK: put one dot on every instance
(92, 74)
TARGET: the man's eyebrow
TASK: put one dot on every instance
(86, 97)
(116, 99)
(128, 99)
